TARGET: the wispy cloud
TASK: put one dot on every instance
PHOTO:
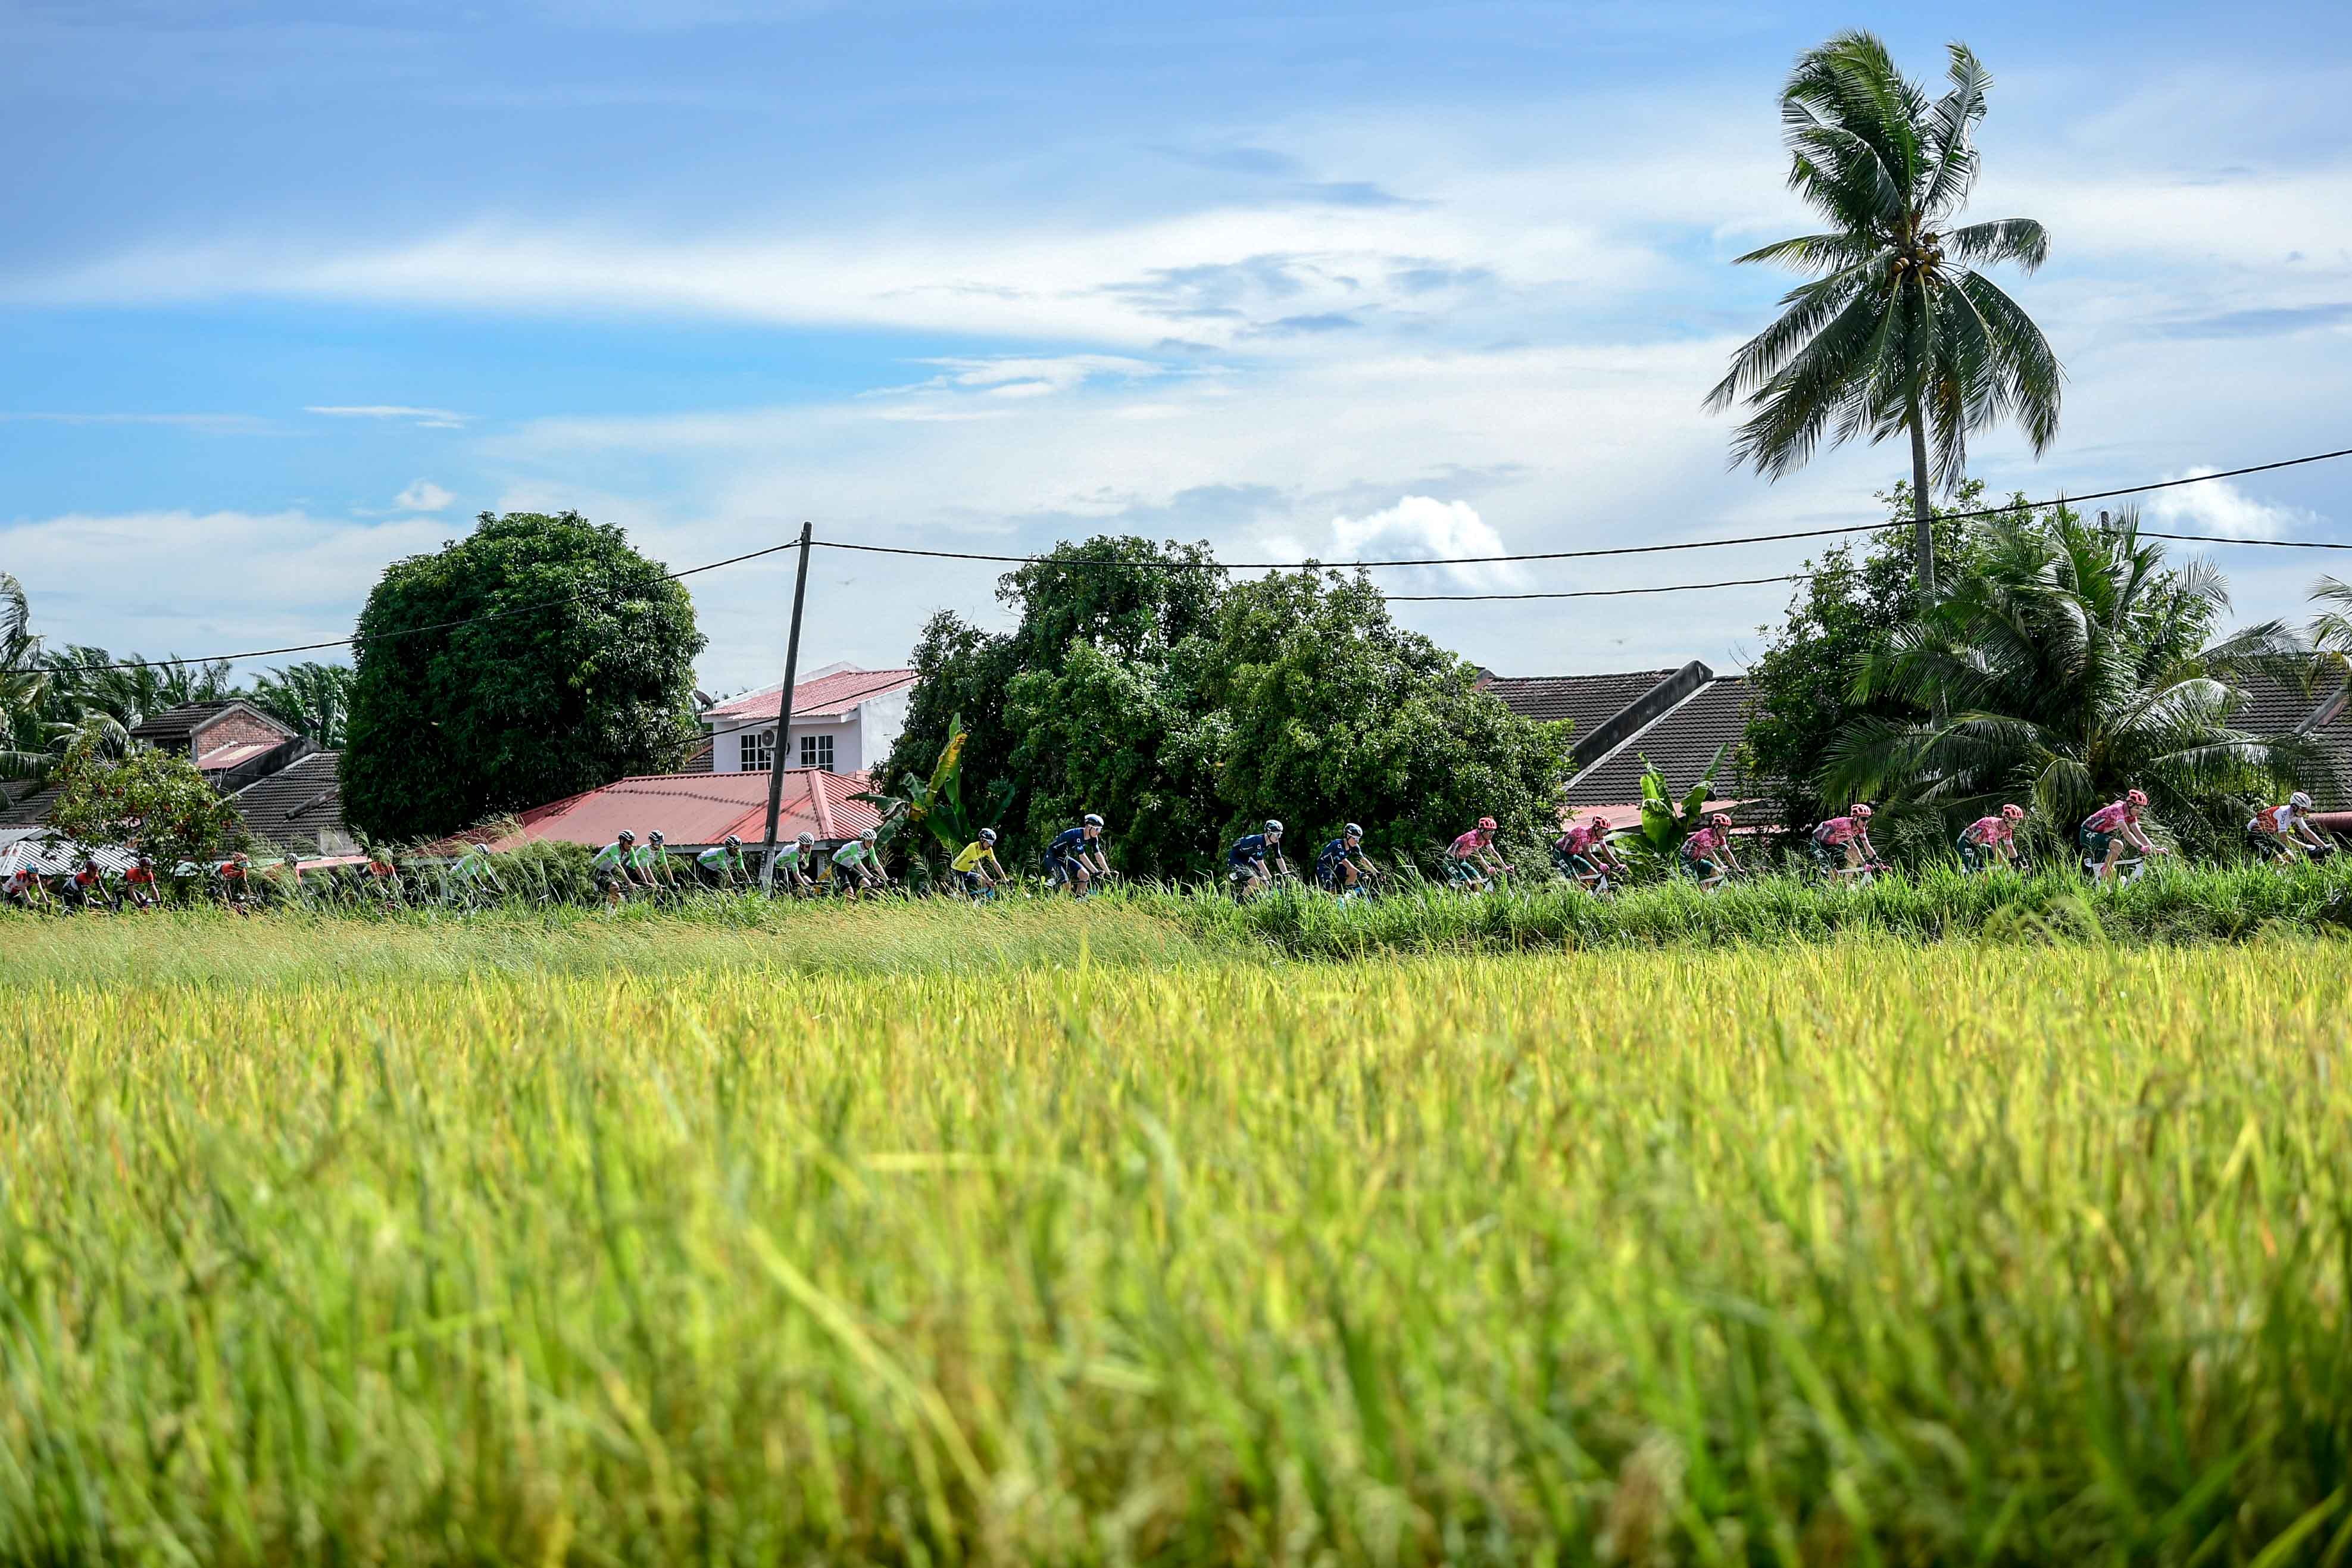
(207, 423)
(423, 418)
(2219, 506)
(422, 495)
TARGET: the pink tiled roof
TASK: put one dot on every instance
(826, 697)
(236, 752)
(701, 808)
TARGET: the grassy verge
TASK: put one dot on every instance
(1858, 1252)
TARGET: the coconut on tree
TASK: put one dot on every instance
(1898, 332)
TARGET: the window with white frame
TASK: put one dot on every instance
(759, 750)
(817, 751)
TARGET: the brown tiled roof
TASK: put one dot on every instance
(30, 810)
(2283, 707)
(1681, 742)
(700, 762)
(290, 808)
(175, 726)
(1584, 700)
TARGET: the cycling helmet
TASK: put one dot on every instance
(2300, 801)
(733, 842)
(654, 837)
(627, 836)
(2136, 797)
(806, 839)
(867, 836)
(1720, 819)
(988, 836)
(1861, 812)
(1486, 824)
(1092, 820)
(1273, 828)
(1351, 831)
(2014, 813)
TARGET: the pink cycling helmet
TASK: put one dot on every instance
(1861, 810)
(1485, 824)
(2136, 797)
(2014, 813)
(1721, 820)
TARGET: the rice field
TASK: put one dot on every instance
(1080, 1236)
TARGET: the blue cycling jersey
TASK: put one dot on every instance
(1247, 850)
(1331, 854)
(1068, 842)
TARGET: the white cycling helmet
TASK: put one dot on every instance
(2300, 801)
(1351, 831)
(654, 837)
(988, 836)
(867, 836)
(1273, 828)
(1092, 820)
(733, 842)
(627, 836)
(806, 839)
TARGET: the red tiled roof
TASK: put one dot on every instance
(826, 697)
(701, 808)
(236, 752)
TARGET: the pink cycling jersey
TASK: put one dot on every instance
(2107, 818)
(1838, 830)
(1989, 830)
(1705, 839)
(1469, 844)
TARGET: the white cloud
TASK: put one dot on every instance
(1421, 527)
(210, 424)
(2219, 506)
(422, 495)
(424, 418)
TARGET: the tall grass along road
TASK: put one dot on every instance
(1855, 1252)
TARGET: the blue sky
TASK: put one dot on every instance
(289, 292)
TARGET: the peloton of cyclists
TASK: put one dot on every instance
(1991, 841)
(1245, 861)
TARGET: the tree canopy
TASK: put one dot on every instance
(1142, 683)
(154, 799)
(1898, 333)
(573, 666)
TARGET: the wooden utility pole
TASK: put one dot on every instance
(784, 719)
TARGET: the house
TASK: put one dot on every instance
(695, 810)
(844, 720)
(287, 789)
(1675, 719)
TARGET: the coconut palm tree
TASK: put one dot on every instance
(2069, 664)
(2331, 632)
(313, 698)
(24, 680)
(1899, 331)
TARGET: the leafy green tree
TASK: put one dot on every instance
(1851, 602)
(1898, 332)
(153, 800)
(1140, 684)
(2069, 664)
(539, 657)
(312, 698)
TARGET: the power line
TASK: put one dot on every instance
(1652, 549)
(1598, 592)
(405, 631)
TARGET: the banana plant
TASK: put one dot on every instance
(936, 804)
(1666, 822)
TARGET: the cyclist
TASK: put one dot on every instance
(473, 878)
(231, 875)
(1842, 845)
(615, 868)
(2279, 831)
(652, 863)
(857, 864)
(1245, 861)
(721, 865)
(976, 867)
(1341, 865)
(24, 887)
(1707, 853)
(795, 865)
(1469, 864)
(1991, 841)
(381, 877)
(139, 883)
(1076, 856)
(2107, 832)
(1583, 856)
